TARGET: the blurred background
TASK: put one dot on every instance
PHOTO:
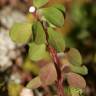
(79, 31)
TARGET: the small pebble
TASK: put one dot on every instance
(26, 92)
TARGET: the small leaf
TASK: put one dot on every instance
(34, 83)
(67, 90)
(54, 16)
(76, 92)
(80, 70)
(38, 52)
(39, 3)
(14, 89)
(71, 91)
(38, 32)
(56, 40)
(48, 74)
(74, 57)
(21, 32)
(60, 7)
(76, 81)
(30, 66)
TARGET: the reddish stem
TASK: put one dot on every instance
(60, 89)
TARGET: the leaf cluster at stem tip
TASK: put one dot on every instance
(34, 33)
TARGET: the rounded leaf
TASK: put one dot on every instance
(56, 40)
(76, 92)
(60, 7)
(39, 3)
(14, 89)
(54, 16)
(79, 69)
(38, 32)
(34, 83)
(21, 32)
(48, 74)
(76, 81)
(74, 57)
(38, 52)
(31, 67)
(71, 91)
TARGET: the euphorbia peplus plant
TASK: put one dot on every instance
(47, 45)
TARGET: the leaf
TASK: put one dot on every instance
(67, 90)
(30, 66)
(54, 16)
(39, 3)
(34, 83)
(76, 92)
(80, 70)
(74, 57)
(76, 81)
(60, 7)
(38, 32)
(14, 89)
(21, 32)
(70, 91)
(38, 52)
(48, 74)
(56, 40)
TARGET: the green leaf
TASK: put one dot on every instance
(54, 16)
(67, 90)
(38, 52)
(39, 3)
(74, 57)
(21, 32)
(76, 92)
(80, 70)
(56, 40)
(60, 7)
(34, 83)
(30, 66)
(71, 91)
(38, 32)
(14, 89)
